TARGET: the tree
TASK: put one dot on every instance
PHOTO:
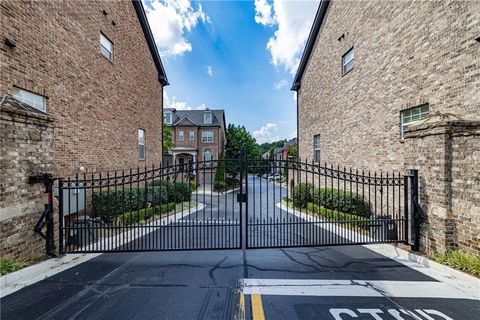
(238, 139)
(219, 182)
(167, 138)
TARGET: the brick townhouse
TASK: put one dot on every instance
(81, 90)
(94, 68)
(395, 85)
(198, 135)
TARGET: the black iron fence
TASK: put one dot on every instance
(233, 203)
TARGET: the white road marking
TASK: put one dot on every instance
(353, 288)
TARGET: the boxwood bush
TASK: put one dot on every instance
(173, 191)
(343, 201)
(134, 217)
(108, 204)
(334, 199)
(302, 194)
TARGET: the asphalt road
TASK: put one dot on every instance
(341, 282)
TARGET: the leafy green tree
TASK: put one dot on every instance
(219, 182)
(238, 139)
(167, 138)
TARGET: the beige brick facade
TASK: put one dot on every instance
(97, 105)
(407, 53)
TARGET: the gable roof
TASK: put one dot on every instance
(317, 23)
(196, 116)
(185, 121)
(142, 17)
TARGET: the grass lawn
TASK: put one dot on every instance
(12, 265)
(466, 262)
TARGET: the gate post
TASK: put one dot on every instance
(243, 198)
(416, 210)
(60, 218)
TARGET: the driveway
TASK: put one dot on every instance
(343, 282)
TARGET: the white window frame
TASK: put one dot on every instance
(316, 149)
(141, 144)
(209, 152)
(412, 115)
(191, 135)
(168, 117)
(106, 47)
(33, 99)
(207, 117)
(181, 135)
(207, 136)
(348, 60)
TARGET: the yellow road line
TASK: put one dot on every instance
(242, 306)
(257, 307)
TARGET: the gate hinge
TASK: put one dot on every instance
(242, 197)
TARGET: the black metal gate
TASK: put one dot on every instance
(234, 203)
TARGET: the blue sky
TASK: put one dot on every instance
(234, 55)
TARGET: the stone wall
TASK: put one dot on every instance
(26, 140)
(446, 151)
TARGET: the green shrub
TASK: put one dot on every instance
(335, 215)
(220, 185)
(193, 185)
(343, 201)
(460, 260)
(302, 194)
(134, 217)
(11, 265)
(175, 191)
(107, 204)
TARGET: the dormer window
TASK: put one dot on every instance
(207, 117)
(168, 118)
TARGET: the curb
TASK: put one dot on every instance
(25, 277)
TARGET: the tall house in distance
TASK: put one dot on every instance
(392, 86)
(94, 70)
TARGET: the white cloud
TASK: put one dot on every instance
(280, 84)
(294, 96)
(293, 21)
(170, 20)
(209, 70)
(267, 133)
(179, 105)
(263, 13)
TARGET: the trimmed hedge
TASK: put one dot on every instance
(334, 199)
(343, 201)
(336, 215)
(173, 191)
(302, 194)
(108, 204)
(134, 217)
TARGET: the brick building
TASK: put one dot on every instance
(94, 68)
(198, 135)
(395, 85)
(81, 87)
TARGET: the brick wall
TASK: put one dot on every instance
(26, 149)
(97, 106)
(406, 54)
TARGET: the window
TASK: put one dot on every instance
(192, 135)
(106, 47)
(168, 118)
(207, 117)
(316, 148)
(347, 61)
(32, 99)
(180, 135)
(207, 155)
(412, 115)
(207, 136)
(141, 144)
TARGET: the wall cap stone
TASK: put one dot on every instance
(22, 111)
(443, 123)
